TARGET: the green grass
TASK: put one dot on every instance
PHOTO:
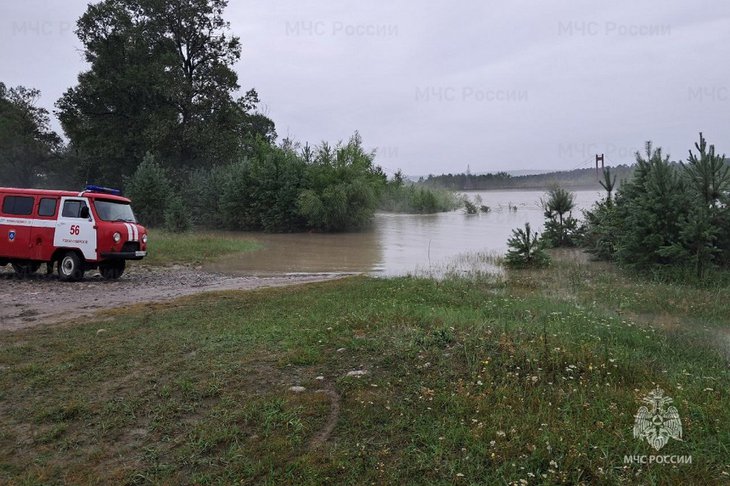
(194, 248)
(536, 377)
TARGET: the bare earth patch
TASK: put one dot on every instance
(42, 299)
(334, 416)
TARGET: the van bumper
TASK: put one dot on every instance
(124, 255)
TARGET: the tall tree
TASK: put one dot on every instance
(651, 208)
(708, 173)
(161, 80)
(706, 224)
(27, 144)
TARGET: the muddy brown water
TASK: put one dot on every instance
(398, 244)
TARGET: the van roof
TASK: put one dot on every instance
(57, 193)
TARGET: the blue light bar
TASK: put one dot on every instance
(104, 190)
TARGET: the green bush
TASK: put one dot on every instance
(601, 227)
(526, 249)
(399, 197)
(150, 191)
(343, 188)
(202, 195)
(561, 228)
(470, 207)
(177, 216)
(261, 192)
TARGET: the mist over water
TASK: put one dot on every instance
(399, 244)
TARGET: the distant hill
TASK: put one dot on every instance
(571, 179)
(526, 172)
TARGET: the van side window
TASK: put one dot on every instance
(72, 209)
(18, 205)
(47, 207)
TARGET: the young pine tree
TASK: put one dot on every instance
(650, 210)
(708, 182)
(561, 228)
(526, 249)
(608, 183)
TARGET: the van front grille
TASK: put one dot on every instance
(130, 246)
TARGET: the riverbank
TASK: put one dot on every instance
(193, 248)
(171, 270)
(42, 300)
(535, 377)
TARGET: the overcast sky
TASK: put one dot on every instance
(436, 86)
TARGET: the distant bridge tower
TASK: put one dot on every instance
(599, 158)
(468, 186)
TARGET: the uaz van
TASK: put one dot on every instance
(75, 231)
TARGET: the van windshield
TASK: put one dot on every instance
(114, 211)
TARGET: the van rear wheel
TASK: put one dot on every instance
(112, 270)
(24, 269)
(70, 268)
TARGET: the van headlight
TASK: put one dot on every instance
(116, 237)
(144, 238)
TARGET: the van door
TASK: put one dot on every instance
(75, 227)
(16, 222)
(44, 227)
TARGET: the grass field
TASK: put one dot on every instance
(530, 379)
(193, 248)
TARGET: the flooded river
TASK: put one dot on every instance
(398, 244)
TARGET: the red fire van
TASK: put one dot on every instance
(77, 231)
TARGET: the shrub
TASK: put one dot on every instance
(343, 188)
(410, 198)
(149, 189)
(202, 195)
(177, 216)
(470, 207)
(601, 227)
(260, 193)
(526, 249)
(561, 228)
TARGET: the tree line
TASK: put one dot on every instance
(671, 216)
(577, 178)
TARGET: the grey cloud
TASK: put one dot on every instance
(439, 85)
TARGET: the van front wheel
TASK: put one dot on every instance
(112, 270)
(70, 268)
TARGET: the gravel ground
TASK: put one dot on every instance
(42, 299)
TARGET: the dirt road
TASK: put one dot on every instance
(43, 299)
